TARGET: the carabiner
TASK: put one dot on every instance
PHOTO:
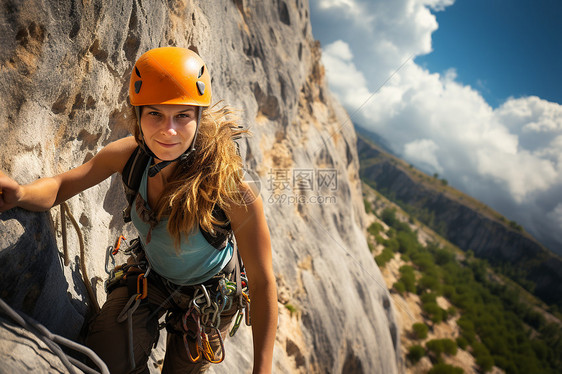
(201, 293)
(188, 314)
(208, 351)
(186, 343)
(206, 293)
(118, 244)
(247, 314)
(142, 287)
(237, 321)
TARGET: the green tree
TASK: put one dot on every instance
(420, 330)
(435, 346)
(388, 216)
(449, 347)
(429, 282)
(408, 243)
(408, 277)
(392, 244)
(399, 287)
(482, 356)
(442, 256)
(439, 346)
(462, 342)
(375, 228)
(415, 353)
(385, 256)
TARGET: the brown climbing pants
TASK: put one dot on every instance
(109, 338)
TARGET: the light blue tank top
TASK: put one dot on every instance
(197, 262)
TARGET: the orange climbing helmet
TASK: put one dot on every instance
(170, 75)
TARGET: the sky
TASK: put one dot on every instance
(468, 89)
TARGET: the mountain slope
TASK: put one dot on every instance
(464, 221)
(454, 310)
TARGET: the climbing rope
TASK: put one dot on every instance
(53, 340)
(65, 210)
(64, 237)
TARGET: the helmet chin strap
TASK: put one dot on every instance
(154, 169)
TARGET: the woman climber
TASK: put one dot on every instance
(195, 217)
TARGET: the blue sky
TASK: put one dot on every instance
(468, 89)
(501, 48)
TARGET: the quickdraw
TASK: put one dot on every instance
(205, 311)
(118, 273)
(243, 308)
(130, 308)
(111, 252)
(202, 344)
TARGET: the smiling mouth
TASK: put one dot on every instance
(166, 145)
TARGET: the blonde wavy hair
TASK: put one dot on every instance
(211, 176)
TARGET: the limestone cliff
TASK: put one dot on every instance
(465, 222)
(64, 69)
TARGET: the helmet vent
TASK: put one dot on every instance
(137, 72)
(200, 87)
(138, 85)
(201, 71)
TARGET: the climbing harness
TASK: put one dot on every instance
(196, 311)
(53, 340)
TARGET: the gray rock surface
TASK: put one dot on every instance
(64, 69)
(22, 352)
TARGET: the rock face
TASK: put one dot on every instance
(64, 70)
(466, 226)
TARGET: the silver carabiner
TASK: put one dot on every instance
(147, 270)
(206, 294)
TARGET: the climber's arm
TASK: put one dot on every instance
(44, 193)
(252, 236)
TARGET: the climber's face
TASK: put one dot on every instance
(168, 129)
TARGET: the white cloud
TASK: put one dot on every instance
(438, 5)
(327, 4)
(509, 157)
(423, 153)
(344, 77)
(339, 50)
(348, 9)
(537, 122)
(382, 34)
(522, 174)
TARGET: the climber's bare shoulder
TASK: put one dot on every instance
(109, 160)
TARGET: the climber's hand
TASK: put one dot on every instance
(10, 192)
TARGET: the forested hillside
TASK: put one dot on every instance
(457, 314)
(464, 221)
